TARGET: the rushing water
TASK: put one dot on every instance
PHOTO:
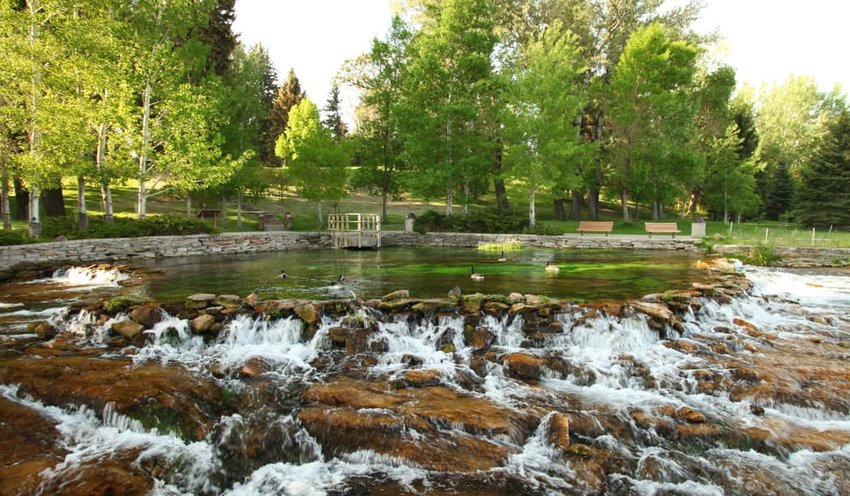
(427, 272)
(622, 386)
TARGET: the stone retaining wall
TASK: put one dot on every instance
(796, 257)
(95, 250)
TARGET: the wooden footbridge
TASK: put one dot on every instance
(355, 230)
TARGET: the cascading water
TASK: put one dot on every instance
(743, 396)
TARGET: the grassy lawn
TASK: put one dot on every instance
(305, 215)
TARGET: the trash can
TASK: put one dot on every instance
(408, 222)
(698, 227)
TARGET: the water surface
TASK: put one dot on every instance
(427, 272)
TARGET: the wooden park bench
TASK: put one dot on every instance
(209, 213)
(670, 228)
(595, 226)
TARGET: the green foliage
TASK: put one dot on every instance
(777, 191)
(121, 227)
(12, 238)
(824, 195)
(763, 254)
(485, 221)
(652, 113)
(289, 93)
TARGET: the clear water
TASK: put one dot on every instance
(426, 273)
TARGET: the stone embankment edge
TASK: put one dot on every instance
(127, 249)
(795, 256)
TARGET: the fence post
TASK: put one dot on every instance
(766, 233)
(813, 236)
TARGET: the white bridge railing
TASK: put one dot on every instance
(355, 230)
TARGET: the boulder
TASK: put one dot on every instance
(308, 313)
(127, 329)
(202, 323)
(657, 311)
(199, 301)
(419, 378)
(535, 300)
(338, 336)
(396, 295)
(255, 367)
(516, 298)
(479, 339)
(689, 415)
(228, 300)
(559, 431)
(251, 300)
(523, 366)
(455, 295)
(44, 330)
(147, 316)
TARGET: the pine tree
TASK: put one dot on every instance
(824, 197)
(288, 95)
(219, 36)
(333, 116)
(778, 191)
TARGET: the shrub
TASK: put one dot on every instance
(763, 254)
(12, 238)
(485, 221)
(158, 225)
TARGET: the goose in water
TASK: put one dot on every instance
(475, 276)
(502, 257)
(282, 275)
(550, 267)
(338, 283)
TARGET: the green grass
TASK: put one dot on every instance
(304, 213)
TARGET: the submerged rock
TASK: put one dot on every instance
(127, 329)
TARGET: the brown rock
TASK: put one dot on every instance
(495, 307)
(480, 339)
(516, 298)
(251, 300)
(656, 311)
(202, 323)
(534, 300)
(746, 374)
(127, 329)
(559, 431)
(420, 378)
(689, 415)
(682, 345)
(255, 367)
(46, 331)
(308, 313)
(338, 336)
(147, 315)
(199, 301)
(522, 366)
(228, 300)
(720, 348)
(401, 294)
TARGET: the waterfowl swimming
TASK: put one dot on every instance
(282, 274)
(475, 276)
(550, 267)
(338, 283)
(502, 257)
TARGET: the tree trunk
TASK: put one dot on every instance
(693, 201)
(637, 211)
(558, 205)
(319, 211)
(655, 215)
(575, 205)
(142, 207)
(54, 202)
(4, 194)
(449, 201)
(593, 203)
(106, 199)
(22, 201)
(384, 200)
(466, 198)
(624, 198)
(532, 214)
(239, 210)
(188, 205)
(498, 182)
(82, 213)
(34, 213)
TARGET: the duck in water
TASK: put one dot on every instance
(502, 257)
(550, 267)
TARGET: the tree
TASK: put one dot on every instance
(450, 82)
(824, 196)
(288, 95)
(729, 182)
(791, 122)
(651, 117)
(316, 163)
(379, 76)
(219, 37)
(333, 116)
(542, 144)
